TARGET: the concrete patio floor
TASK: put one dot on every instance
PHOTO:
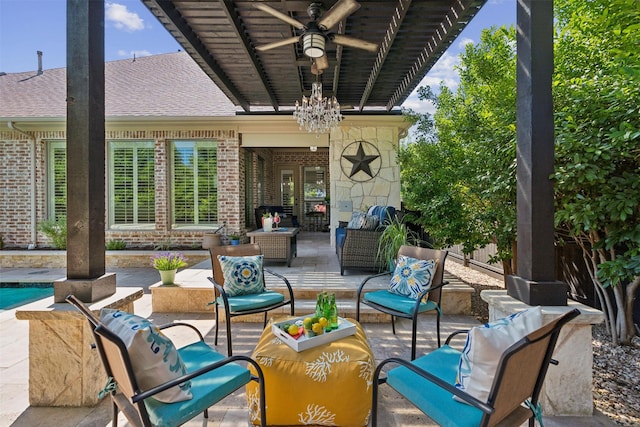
(315, 260)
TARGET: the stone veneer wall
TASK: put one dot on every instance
(383, 189)
(16, 224)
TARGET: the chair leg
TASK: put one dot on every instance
(438, 326)
(215, 309)
(414, 331)
(206, 413)
(374, 404)
(114, 413)
(229, 351)
(393, 324)
(358, 310)
(264, 324)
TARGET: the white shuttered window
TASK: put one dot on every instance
(131, 184)
(194, 198)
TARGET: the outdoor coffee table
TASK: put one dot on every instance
(330, 384)
(277, 245)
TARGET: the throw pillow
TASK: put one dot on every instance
(370, 222)
(154, 358)
(412, 276)
(242, 274)
(484, 347)
(357, 220)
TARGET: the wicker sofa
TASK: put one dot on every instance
(357, 248)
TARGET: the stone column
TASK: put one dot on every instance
(64, 370)
(568, 387)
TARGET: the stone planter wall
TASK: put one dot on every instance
(114, 259)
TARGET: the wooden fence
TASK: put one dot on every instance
(478, 260)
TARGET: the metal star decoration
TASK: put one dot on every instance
(361, 162)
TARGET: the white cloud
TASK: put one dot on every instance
(463, 42)
(443, 71)
(419, 106)
(122, 18)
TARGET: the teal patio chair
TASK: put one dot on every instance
(428, 382)
(213, 377)
(406, 307)
(242, 305)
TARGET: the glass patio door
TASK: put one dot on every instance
(287, 190)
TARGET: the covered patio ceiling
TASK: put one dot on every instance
(223, 37)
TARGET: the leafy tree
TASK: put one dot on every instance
(597, 104)
(460, 174)
(464, 184)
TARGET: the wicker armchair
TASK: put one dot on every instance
(359, 250)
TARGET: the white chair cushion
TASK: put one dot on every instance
(154, 358)
(485, 344)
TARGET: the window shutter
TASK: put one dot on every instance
(132, 183)
(58, 180)
(195, 183)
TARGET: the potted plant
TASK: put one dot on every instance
(395, 234)
(167, 263)
(234, 239)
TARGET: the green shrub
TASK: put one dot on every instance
(116, 245)
(163, 246)
(395, 234)
(56, 231)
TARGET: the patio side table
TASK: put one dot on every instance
(277, 245)
(330, 384)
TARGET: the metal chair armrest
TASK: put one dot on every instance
(193, 328)
(454, 333)
(284, 279)
(366, 280)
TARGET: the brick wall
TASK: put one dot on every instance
(17, 226)
(15, 191)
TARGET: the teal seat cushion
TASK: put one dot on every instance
(249, 302)
(207, 389)
(435, 402)
(398, 302)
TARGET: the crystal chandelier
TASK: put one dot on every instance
(316, 113)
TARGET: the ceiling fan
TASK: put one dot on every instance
(315, 33)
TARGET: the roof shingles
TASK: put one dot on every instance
(166, 85)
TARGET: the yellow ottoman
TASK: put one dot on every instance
(326, 385)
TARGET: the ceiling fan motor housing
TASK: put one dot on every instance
(313, 41)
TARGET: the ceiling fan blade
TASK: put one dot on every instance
(279, 43)
(343, 40)
(281, 16)
(338, 12)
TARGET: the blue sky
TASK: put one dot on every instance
(27, 26)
